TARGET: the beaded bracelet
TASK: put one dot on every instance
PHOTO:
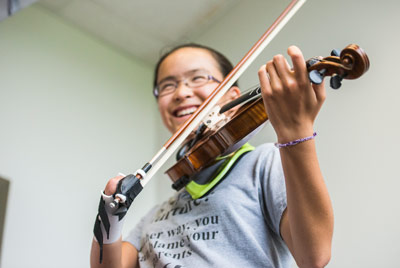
(291, 143)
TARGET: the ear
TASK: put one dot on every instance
(233, 93)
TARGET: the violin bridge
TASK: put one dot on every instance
(214, 119)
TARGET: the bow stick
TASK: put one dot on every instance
(144, 174)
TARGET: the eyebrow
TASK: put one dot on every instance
(172, 77)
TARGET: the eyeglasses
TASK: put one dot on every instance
(193, 80)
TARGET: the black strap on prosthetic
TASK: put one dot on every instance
(101, 217)
(129, 187)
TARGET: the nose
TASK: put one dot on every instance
(183, 91)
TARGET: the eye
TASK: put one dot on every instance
(167, 86)
(199, 78)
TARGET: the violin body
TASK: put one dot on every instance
(351, 63)
(231, 136)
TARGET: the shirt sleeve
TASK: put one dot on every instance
(135, 235)
(272, 187)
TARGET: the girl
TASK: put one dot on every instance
(271, 205)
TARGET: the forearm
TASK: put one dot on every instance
(309, 209)
(107, 248)
(111, 255)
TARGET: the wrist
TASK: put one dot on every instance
(107, 227)
(290, 134)
(296, 141)
(112, 233)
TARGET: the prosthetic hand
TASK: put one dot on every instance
(112, 211)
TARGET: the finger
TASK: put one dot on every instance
(320, 92)
(282, 67)
(275, 80)
(299, 64)
(264, 80)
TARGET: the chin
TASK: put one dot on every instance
(173, 128)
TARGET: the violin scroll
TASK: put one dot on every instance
(350, 63)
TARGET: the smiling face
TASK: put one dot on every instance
(175, 108)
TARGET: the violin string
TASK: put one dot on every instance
(247, 96)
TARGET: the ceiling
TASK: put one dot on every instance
(141, 28)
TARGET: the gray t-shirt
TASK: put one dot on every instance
(235, 225)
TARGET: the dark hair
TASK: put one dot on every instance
(225, 66)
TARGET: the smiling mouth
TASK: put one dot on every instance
(185, 111)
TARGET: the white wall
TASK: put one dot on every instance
(358, 128)
(70, 108)
(71, 112)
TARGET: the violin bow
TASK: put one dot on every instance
(144, 174)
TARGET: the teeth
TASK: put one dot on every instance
(186, 111)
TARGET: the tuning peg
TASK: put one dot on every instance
(335, 52)
(316, 77)
(312, 61)
(336, 81)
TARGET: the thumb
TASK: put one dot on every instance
(320, 92)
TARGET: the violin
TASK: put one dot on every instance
(350, 63)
